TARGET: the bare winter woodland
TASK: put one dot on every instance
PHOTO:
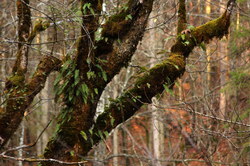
(124, 82)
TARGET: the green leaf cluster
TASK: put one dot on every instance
(69, 85)
(86, 7)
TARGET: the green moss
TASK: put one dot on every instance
(116, 26)
(204, 33)
(125, 106)
(39, 27)
(17, 80)
(182, 22)
(173, 65)
(183, 47)
(215, 28)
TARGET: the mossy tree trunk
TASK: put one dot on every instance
(85, 75)
(19, 89)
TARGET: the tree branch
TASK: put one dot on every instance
(151, 83)
(119, 49)
(24, 24)
(39, 27)
(68, 137)
(182, 20)
(147, 86)
(36, 160)
(81, 118)
(21, 95)
(44, 68)
(85, 50)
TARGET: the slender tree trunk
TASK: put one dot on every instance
(115, 147)
(208, 48)
(223, 73)
(21, 142)
(115, 89)
(155, 113)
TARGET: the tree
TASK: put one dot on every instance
(84, 75)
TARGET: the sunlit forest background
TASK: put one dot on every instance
(205, 115)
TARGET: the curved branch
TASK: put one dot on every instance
(44, 68)
(151, 83)
(21, 95)
(216, 28)
(119, 51)
(39, 27)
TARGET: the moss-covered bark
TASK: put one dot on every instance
(38, 27)
(147, 86)
(20, 95)
(81, 115)
(91, 11)
(151, 83)
(24, 25)
(216, 28)
(182, 20)
(125, 46)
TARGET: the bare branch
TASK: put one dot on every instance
(29, 145)
(36, 160)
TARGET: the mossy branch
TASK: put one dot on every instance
(24, 24)
(119, 52)
(39, 27)
(118, 25)
(151, 83)
(90, 22)
(47, 65)
(24, 20)
(182, 20)
(20, 96)
(216, 28)
(147, 86)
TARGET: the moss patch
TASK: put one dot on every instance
(39, 27)
(116, 25)
(215, 28)
(204, 33)
(17, 80)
